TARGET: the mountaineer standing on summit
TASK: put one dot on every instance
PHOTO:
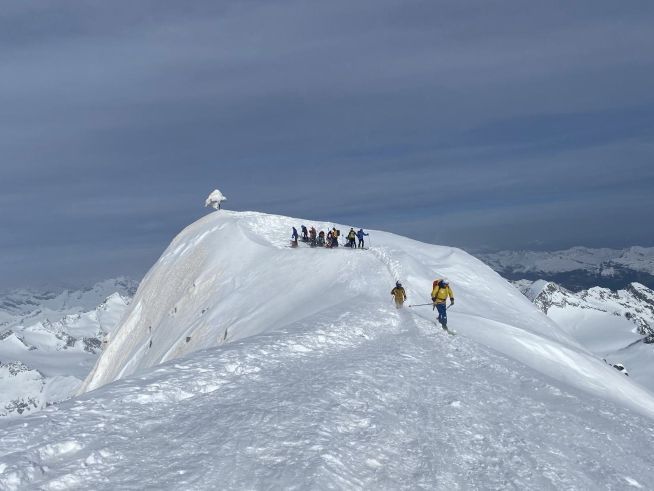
(360, 235)
(440, 292)
(351, 239)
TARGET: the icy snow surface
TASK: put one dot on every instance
(298, 373)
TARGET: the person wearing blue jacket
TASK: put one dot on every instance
(294, 238)
(360, 235)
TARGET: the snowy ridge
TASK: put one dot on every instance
(291, 368)
(370, 398)
(230, 276)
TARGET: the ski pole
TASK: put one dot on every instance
(420, 304)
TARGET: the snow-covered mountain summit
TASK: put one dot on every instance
(231, 275)
(245, 364)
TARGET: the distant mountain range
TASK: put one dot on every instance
(28, 306)
(49, 341)
(578, 268)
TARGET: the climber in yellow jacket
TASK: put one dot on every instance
(399, 295)
(439, 294)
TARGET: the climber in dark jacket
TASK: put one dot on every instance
(361, 234)
(351, 238)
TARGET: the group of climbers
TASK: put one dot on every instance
(440, 292)
(352, 236)
(329, 240)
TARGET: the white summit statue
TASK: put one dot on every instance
(215, 199)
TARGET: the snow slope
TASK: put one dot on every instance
(230, 276)
(365, 397)
(299, 373)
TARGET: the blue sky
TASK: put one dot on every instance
(480, 124)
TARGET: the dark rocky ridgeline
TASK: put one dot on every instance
(30, 382)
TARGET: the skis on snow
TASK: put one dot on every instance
(446, 329)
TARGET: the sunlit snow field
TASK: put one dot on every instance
(290, 368)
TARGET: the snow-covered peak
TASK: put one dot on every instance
(231, 276)
(545, 294)
(532, 289)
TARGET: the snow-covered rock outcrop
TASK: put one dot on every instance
(635, 302)
(616, 325)
(215, 199)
